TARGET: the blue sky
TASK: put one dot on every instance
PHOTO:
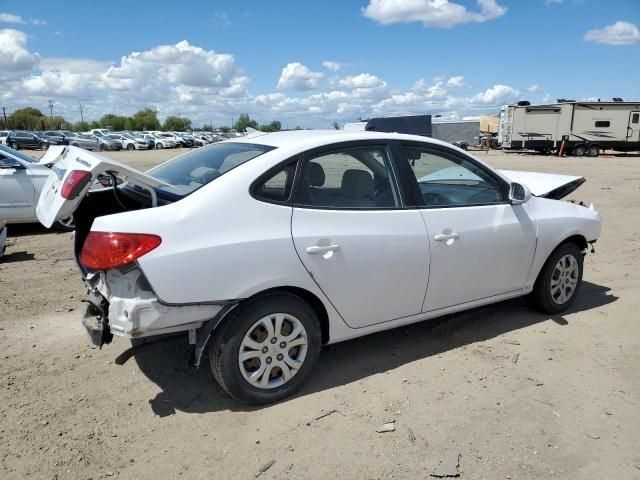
(389, 56)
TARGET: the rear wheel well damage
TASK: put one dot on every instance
(209, 328)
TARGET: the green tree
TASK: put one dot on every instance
(114, 122)
(207, 128)
(336, 125)
(244, 122)
(274, 126)
(224, 129)
(178, 124)
(26, 119)
(80, 127)
(146, 119)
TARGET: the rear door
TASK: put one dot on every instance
(68, 164)
(481, 245)
(365, 250)
(633, 130)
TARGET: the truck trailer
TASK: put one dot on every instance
(578, 128)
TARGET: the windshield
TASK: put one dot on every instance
(15, 153)
(195, 169)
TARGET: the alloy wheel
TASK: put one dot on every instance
(273, 350)
(564, 279)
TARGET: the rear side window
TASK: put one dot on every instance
(603, 123)
(635, 118)
(277, 187)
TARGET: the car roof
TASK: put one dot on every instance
(309, 138)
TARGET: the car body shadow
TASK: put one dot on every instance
(21, 256)
(28, 229)
(195, 391)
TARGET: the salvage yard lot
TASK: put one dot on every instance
(516, 393)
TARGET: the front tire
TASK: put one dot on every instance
(159, 146)
(579, 151)
(266, 348)
(65, 224)
(44, 146)
(559, 281)
(130, 147)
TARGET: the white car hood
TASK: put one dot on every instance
(549, 185)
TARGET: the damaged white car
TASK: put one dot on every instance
(266, 247)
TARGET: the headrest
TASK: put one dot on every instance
(314, 175)
(357, 184)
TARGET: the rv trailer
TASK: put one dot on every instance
(586, 128)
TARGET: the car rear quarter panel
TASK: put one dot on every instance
(558, 220)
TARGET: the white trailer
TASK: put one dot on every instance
(461, 133)
(585, 128)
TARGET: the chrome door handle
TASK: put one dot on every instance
(318, 249)
(446, 236)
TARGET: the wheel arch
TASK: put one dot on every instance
(312, 299)
(206, 331)
(577, 239)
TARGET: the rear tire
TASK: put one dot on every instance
(130, 146)
(159, 146)
(14, 145)
(44, 146)
(578, 151)
(254, 331)
(65, 224)
(593, 151)
(559, 281)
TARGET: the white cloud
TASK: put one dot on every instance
(14, 56)
(620, 33)
(496, 95)
(533, 88)
(332, 66)
(363, 80)
(552, 2)
(17, 19)
(457, 81)
(431, 13)
(296, 76)
(152, 72)
(209, 87)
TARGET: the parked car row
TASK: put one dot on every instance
(104, 139)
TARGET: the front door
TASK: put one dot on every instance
(633, 130)
(368, 254)
(481, 245)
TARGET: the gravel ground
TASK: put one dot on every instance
(515, 393)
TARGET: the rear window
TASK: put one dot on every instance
(195, 169)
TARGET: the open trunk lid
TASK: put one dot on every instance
(547, 185)
(63, 160)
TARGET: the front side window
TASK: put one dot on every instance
(446, 180)
(353, 178)
(195, 169)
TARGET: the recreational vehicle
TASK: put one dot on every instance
(578, 128)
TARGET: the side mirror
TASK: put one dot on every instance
(519, 194)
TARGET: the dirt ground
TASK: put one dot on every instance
(516, 393)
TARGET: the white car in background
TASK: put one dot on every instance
(21, 180)
(164, 140)
(129, 143)
(266, 247)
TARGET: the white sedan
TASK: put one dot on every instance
(266, 247)
(21, 180)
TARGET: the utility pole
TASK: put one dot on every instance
(4, 113)
(81, 115)
(51, 108)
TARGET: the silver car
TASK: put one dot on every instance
(21, 180)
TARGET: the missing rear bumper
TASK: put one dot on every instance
(95, 320)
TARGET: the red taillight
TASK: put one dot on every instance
(74, 183)
(104, 250)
